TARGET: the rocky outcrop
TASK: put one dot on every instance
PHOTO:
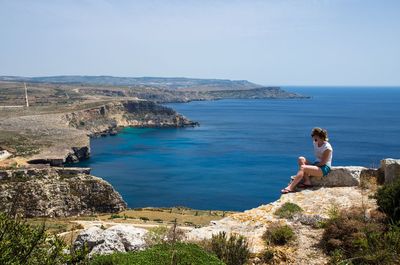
(345, 177)
(66, 136)
(120, 238)
(53, 192)
(391, 169)
(343, 188)
(58, 138)
(316, 205)
(136, 113)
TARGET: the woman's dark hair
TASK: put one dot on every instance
(321, 133)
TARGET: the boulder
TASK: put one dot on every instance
(110, 243)
(340, 177)
(4, 154)
(118, 238)
(91, 236)
(132, 238)
(391, 169)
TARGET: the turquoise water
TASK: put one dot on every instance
(245, 150)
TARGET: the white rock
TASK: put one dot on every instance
(111, 243)
(92, 236)
(4, 154)
(340, 177)
(119, 238)
(131, 237)
(391, 169)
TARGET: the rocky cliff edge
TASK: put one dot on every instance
(56, 192)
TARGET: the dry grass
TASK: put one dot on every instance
(156, 216)
(184, 216)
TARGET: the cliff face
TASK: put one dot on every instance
(55, 192)
(63, 137)
(139, 113)
(66, 135)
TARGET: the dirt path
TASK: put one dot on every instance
(87, 224)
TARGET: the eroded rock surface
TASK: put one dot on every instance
(340, 177)
(391, 169)
(55, 192)
(58, 138)
(139, 113)
(120, 238)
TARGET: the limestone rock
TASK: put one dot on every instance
(132, 238)
(4, 154)
(316, 204)
(138, 113)
(110, 243)
(53, 192)
(119, 238)
(391, 169)
(91, 236)
(340, 177)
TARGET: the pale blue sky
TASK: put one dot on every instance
(270, 42)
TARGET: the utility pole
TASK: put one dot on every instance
(26, 95)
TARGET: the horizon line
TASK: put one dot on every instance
(201, 78)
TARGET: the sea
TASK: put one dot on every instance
(244, 151)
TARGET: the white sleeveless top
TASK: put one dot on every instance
(318, 151)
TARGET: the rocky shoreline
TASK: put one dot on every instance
(42, 187)
(64, 137)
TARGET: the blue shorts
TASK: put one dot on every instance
(325, 169)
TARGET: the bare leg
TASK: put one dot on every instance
(305, 170)
(307, 179)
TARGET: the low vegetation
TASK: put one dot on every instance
(288, 210)
(352, 237)
(232, 250)
(278, 234)
(23, 243)
(388, 199)
(163, 254)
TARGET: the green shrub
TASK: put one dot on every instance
(232, 251)
(388, 199)
(352, 237)
(268, 255)
(21, 243)
(115, 216)
(278, 234)
(164, 254)
(145, 219)
(288, 210)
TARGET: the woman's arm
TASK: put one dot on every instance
(325, 157)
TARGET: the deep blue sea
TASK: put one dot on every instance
(244, 152)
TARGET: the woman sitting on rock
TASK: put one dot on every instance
(323, 153)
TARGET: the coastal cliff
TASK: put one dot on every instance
(54, 138)
(58, 138)
(56, 192)
(140, 113)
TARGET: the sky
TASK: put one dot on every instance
(270, 42)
